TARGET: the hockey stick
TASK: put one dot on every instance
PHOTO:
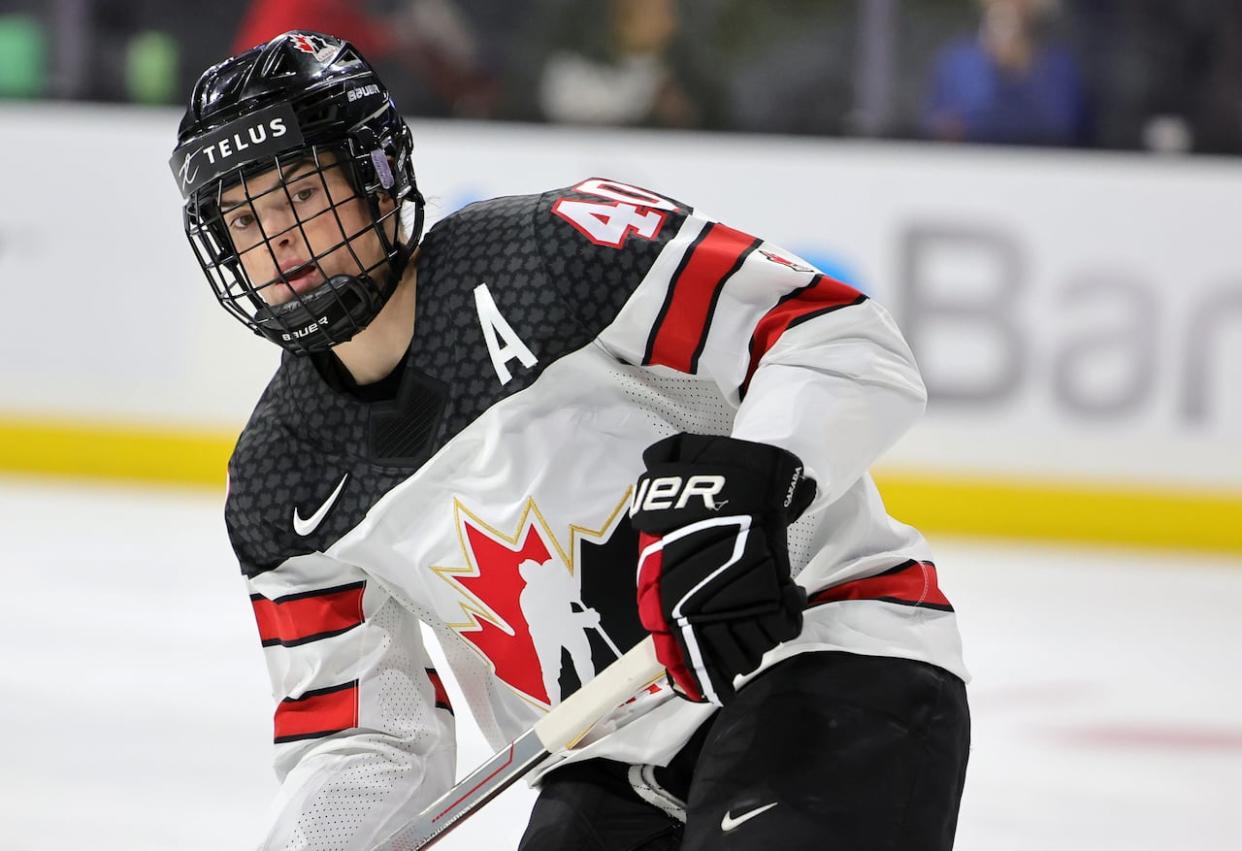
(563, 727)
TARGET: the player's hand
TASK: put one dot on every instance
(713, 577)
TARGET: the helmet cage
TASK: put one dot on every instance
(309, 101)
(342, 304)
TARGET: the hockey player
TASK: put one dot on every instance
(652, 421)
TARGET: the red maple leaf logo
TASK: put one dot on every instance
(500, 585)
(492, 584)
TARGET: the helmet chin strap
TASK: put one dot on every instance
(331, 313)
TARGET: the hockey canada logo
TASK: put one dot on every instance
(546, 617)
(315, 46)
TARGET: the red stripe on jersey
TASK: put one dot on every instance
(822, 295)
(442, 698)
(317, 713)
(308, 616)
(681, 329)
(913, 583)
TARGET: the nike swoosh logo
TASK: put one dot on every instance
(728, 823)
(310, 524)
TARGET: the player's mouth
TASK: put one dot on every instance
(301, 276)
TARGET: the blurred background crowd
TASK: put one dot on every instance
(1150, 75)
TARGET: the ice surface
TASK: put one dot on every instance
(136, 711)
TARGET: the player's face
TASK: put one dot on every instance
(293, 237)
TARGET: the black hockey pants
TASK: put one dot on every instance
(823, 751)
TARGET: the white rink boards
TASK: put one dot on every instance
(138, 716)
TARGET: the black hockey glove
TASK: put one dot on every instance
(713, 568)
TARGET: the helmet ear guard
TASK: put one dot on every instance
(266, 110)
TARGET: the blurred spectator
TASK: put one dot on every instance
(1011, 83)
(425, 50)
(267, 19)
(615, 64)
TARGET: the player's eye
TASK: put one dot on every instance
(241, 222)
(304, 194)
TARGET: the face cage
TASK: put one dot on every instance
(339, 306)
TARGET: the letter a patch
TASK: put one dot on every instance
(497, 331)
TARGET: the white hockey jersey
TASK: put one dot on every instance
(556, 337)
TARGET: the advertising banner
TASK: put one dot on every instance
(1077, 316)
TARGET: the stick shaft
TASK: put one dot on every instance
(578, 713)
(561, 728)
(469, 794)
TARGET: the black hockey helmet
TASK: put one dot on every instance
(308, 102)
